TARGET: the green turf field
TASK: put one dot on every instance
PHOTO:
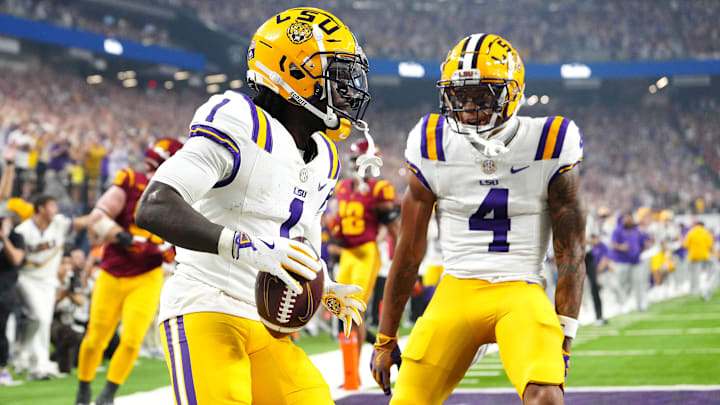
(148, 374)
(676, 342)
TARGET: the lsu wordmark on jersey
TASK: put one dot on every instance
(267, 183)
(490, 205)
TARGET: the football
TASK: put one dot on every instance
(281, 310)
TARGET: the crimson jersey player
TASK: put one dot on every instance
(364, 205)
(130, 278)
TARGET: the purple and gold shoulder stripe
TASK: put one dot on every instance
(262, 130)
(552, 138)
(416, 171)
(334, 171)
(431, 137)
(224, 140)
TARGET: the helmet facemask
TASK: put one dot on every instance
(346, 87)
(477, 107)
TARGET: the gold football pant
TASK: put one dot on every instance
(359, 266)
(465, 314)
(218, 359)
(136, 300)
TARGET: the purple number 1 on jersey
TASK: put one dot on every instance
(296, 209)
(211, 116)
(496, 201)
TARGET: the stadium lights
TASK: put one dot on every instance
(218, 78)
(94, 79)
(181, 75)
(127, 83)
(532, 100)
(653, 89)
(662, 82)
(169, 85)
(411, 69)
(113, 46)
(575, 71)
(213, 88)
(544, 99)
(128, 74)
(236, 84)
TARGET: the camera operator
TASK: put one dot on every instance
(67, 331)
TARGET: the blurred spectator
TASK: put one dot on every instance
(699, 242)
(12, 255)
(628, 243)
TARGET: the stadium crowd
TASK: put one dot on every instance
(67, 139)
(591, 30)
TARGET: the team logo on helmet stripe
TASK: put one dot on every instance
(299, 32)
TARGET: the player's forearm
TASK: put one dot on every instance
(568, 218)
(163, 212)
(398, 287)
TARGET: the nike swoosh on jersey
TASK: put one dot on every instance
(321, 186)
(270, 246)
(513, 170)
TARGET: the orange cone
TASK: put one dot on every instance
(350, 351)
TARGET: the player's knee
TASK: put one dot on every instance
(130, 343)
(541, 394)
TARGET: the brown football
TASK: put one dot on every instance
(282, 311)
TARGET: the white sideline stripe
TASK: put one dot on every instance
(480, 366)
(638, 388)
(649, 332)
(674, 317)
(482, 374)
(650, 352)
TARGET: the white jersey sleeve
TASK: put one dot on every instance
(571, 153)
(195, 168)
(425, 149)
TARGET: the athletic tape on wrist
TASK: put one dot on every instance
(568, 325)
(226, 243)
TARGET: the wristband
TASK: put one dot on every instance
(382, 339)
(226, 242)
(569, 326)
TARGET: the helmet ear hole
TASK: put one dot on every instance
(296, 72)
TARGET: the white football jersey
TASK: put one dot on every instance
(270, 191)
(44, 249)
(493, 211)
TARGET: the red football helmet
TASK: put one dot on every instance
(160, 152)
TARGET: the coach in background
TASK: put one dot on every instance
(11, 257)
(699, 242)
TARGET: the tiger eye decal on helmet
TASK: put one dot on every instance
(482, 73)
(312, 59)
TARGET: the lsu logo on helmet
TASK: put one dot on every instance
(312, 59)
(485, 72)
(299, 32)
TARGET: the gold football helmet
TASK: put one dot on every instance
(312, 59)
(482, 73)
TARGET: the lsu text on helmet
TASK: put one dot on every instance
(482, 83)
(160, 152)
(312, 59)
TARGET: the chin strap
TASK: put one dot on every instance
(368, 160)
(490, 147)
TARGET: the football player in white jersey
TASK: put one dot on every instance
(254, 174)
(501, 184)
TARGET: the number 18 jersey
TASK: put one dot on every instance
(493, 212)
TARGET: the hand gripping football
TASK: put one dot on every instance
(281, 310)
